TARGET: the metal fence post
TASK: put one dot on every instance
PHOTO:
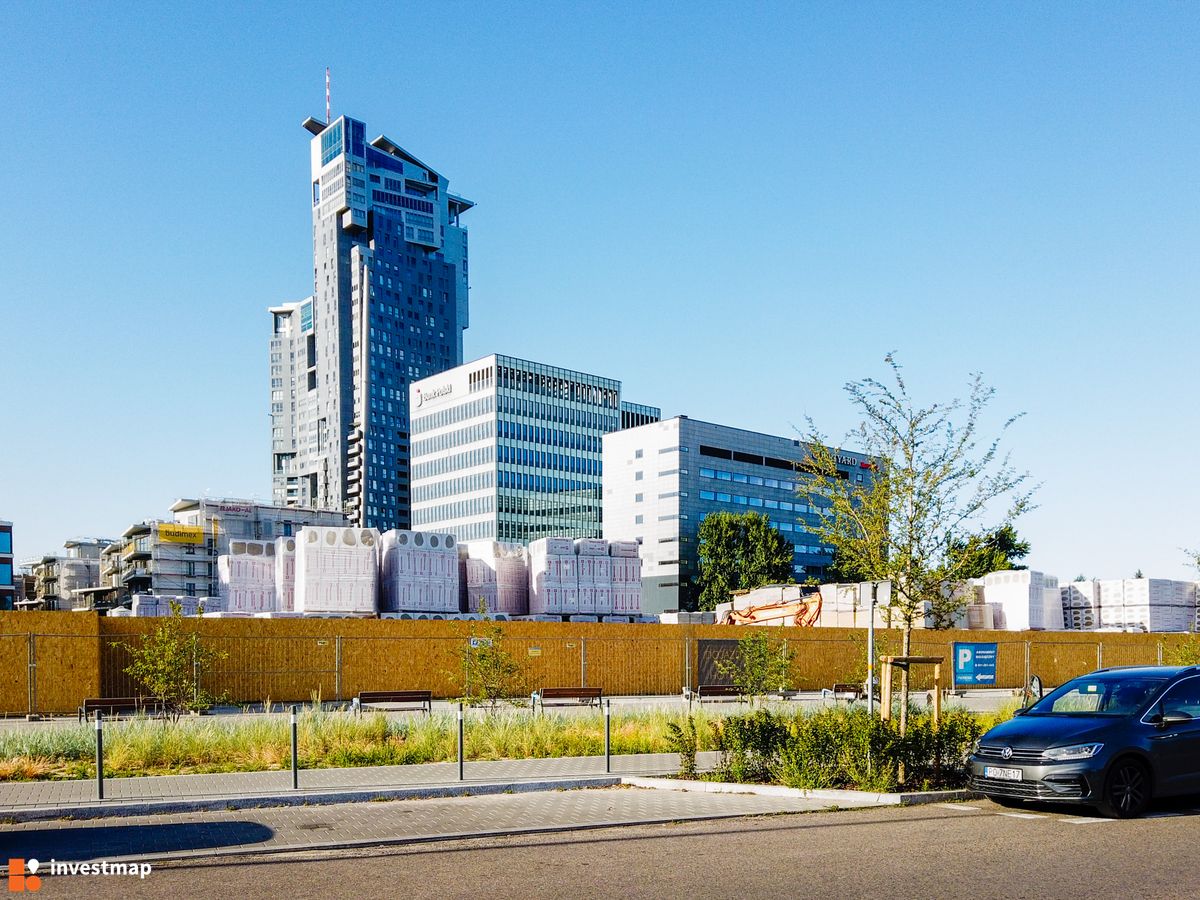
(99, 755)
(687, 663)
(295, 752)
(1160, 653)
(460, 741)
(1028, 670)
(583, 662)
(337, 666)
(607, 736)
(1099, 654)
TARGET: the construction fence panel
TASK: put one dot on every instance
(66, 672)
(16, 698)
(635, 666)
(1057, 662)
(823, 662)
(1113, 653)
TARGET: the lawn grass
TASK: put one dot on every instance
(326, 740)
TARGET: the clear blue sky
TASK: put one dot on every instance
(733, 208)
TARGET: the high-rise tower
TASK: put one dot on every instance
(389, 306)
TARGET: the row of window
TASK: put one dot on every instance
(477, 481)
(553, 437)
(465, 460)
(556, 412)
(459, 413)
(542, 459)
(555, 386)
(459, 509)
(740, 500)
(531, 481)
(739, 478)
(472, 434)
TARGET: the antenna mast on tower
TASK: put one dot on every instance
(327, 95)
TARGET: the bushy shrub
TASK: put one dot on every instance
(749, 746)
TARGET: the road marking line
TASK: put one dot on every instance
(1024, 815)
(958, 806)
(1085, 821)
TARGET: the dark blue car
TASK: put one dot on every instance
(1116, 739)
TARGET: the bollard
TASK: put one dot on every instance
(607, 737)
(295, 753)
(99, 755)
(460, 742)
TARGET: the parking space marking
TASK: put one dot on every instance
(1013, 815)
(958, 806)
(1085, 821)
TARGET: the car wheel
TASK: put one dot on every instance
(1126, 790)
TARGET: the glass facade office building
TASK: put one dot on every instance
(662, 479)
(507, 449)
(389, 307)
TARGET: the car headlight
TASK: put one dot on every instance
(1075, 751)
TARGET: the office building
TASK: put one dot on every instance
(8, 575)
(389, 306)
(510, 450)
(662, 479)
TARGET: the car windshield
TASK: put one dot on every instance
(1098, 695)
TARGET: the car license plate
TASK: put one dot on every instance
(1001, 774)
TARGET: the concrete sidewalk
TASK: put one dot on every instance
(223, 833)
(125, 796)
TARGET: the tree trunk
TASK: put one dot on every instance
(904, 651)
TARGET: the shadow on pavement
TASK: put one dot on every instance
(107, 841)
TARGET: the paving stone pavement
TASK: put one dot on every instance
(279, 828)
(65, 794)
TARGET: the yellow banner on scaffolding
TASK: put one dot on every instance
(181, 534)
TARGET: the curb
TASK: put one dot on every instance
(118, 808)
(850, 798)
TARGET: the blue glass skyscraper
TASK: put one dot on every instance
(389, 306)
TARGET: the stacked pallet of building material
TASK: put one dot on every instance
(285, 574)
(595, 577)
(1020, 595)
(418, 572)
(495, 573)
(337, 571)
(1147, 604)
(626, 577)
(553, 577)
(1080, 602)
(246, 577)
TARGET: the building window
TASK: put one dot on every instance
(637, 520)
(637, 454)
(637, 476)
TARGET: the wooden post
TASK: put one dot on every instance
(937, 693)
(885, 687)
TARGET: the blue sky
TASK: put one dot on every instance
(735, 209)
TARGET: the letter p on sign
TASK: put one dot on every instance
(964, 657)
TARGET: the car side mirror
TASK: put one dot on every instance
(1178, 719)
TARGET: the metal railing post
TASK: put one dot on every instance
(583, 662)
(607, 736)
(99, 755)
(460, 742)
(1099, 654)
(295, 752)
(1160, 653)
(1028, 672)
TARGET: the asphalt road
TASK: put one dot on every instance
(976, 850)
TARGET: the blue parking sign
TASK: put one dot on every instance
(974, 664)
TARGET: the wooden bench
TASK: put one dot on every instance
(705, 691)
(112, 706)
(422, 700)
(581, 695)
(847, 691)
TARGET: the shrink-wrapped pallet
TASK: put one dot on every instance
(336, 571)
(419, 571)
(246, 577)
(496, 573)
(285, 574)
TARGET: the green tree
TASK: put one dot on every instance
(761, 665)
(740, 551)
(170, 664)
(490, 674)
(995, 551)
(1138, 574)
(935, 482)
